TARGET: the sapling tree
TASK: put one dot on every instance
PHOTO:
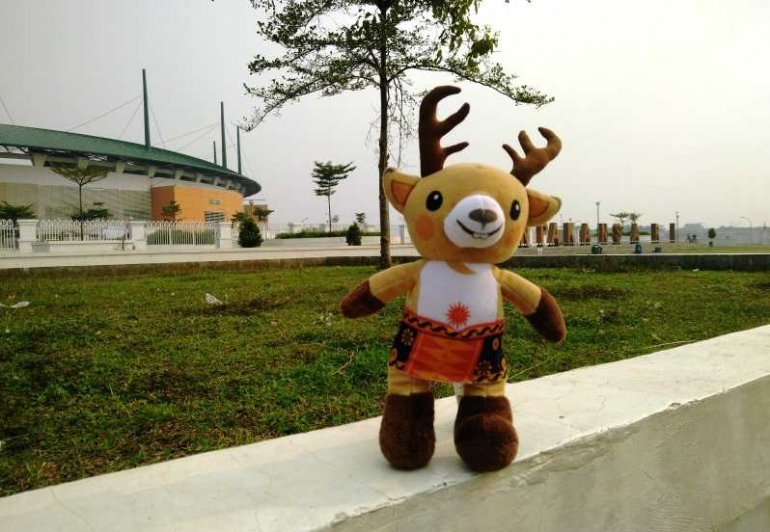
(171, 211)
(81, 177)
(621, 217)
(326, 177)
(327, 48)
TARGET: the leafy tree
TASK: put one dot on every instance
(634, 216)
(16, 212)
(327, 176)
(361, 218)
(249, 235)
(238, 218)
(333, 47)
(171, 210)
(353, 235)
(261, 213)
(81, 177)
(621, 217)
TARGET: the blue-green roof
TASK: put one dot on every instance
(51, 142)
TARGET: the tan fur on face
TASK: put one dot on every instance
(455, 183)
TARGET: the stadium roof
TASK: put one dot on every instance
(55, 144)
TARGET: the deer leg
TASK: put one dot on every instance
(407, 439)
(484, 435)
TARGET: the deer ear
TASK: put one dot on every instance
(398, 186)
(541, 207)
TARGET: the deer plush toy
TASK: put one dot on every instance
(463, 220)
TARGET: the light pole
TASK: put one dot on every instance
(597, 215)
(751, 229)
(677, 227)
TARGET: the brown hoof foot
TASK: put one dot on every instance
(407, 439)
(484, 435)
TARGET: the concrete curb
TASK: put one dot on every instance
(331, 257)
(674, 440)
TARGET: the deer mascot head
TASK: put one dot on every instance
(463, 220)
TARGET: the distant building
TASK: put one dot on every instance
(141, 180)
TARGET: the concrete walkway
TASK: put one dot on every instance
(113, 258)
(277, 250)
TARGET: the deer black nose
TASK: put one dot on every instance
(483, 216)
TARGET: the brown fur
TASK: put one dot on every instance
(484, 435)
(547, 319)
(407, 438)
(360, 302)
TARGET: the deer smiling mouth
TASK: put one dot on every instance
(476, 235)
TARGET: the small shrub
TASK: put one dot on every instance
(248, 234)
(353, 236)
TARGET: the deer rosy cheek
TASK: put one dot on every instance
(510, 239)
(425, 227)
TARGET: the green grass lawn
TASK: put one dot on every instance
(104, 371)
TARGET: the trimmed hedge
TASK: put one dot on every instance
(319, 234)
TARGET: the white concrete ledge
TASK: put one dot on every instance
(674, 441)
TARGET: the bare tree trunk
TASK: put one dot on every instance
(329, 199)
(80, 202)
(385, 260)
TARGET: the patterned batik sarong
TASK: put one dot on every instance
(431, 350)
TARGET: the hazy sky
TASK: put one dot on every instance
(661, 104)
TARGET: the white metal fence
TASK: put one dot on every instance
(62, 230)
(181, 233)
(7, 235)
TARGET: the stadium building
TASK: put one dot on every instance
(140, 181)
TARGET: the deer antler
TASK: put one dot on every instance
(535, 159)
(432, 154)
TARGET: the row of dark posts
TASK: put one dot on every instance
(548, 235)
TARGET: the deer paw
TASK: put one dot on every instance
(407, 438)
(484, 435)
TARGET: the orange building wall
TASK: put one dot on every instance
(195, 201)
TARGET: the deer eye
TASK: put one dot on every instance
(515, 210)
(434, 201)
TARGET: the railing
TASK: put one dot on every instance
(61, 230)
(181, 233)
(7, 235)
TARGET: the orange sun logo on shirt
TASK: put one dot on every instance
(458, 315)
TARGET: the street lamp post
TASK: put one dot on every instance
(677, 226)
(597, 215)
(751, 229)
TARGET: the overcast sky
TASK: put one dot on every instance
(661, 104)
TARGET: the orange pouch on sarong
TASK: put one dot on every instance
(439, 358)
(430, 350)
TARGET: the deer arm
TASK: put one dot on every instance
(379, 289)
(535, 304)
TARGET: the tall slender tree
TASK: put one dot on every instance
(330, 47)
(327, 176)
(81, 177)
